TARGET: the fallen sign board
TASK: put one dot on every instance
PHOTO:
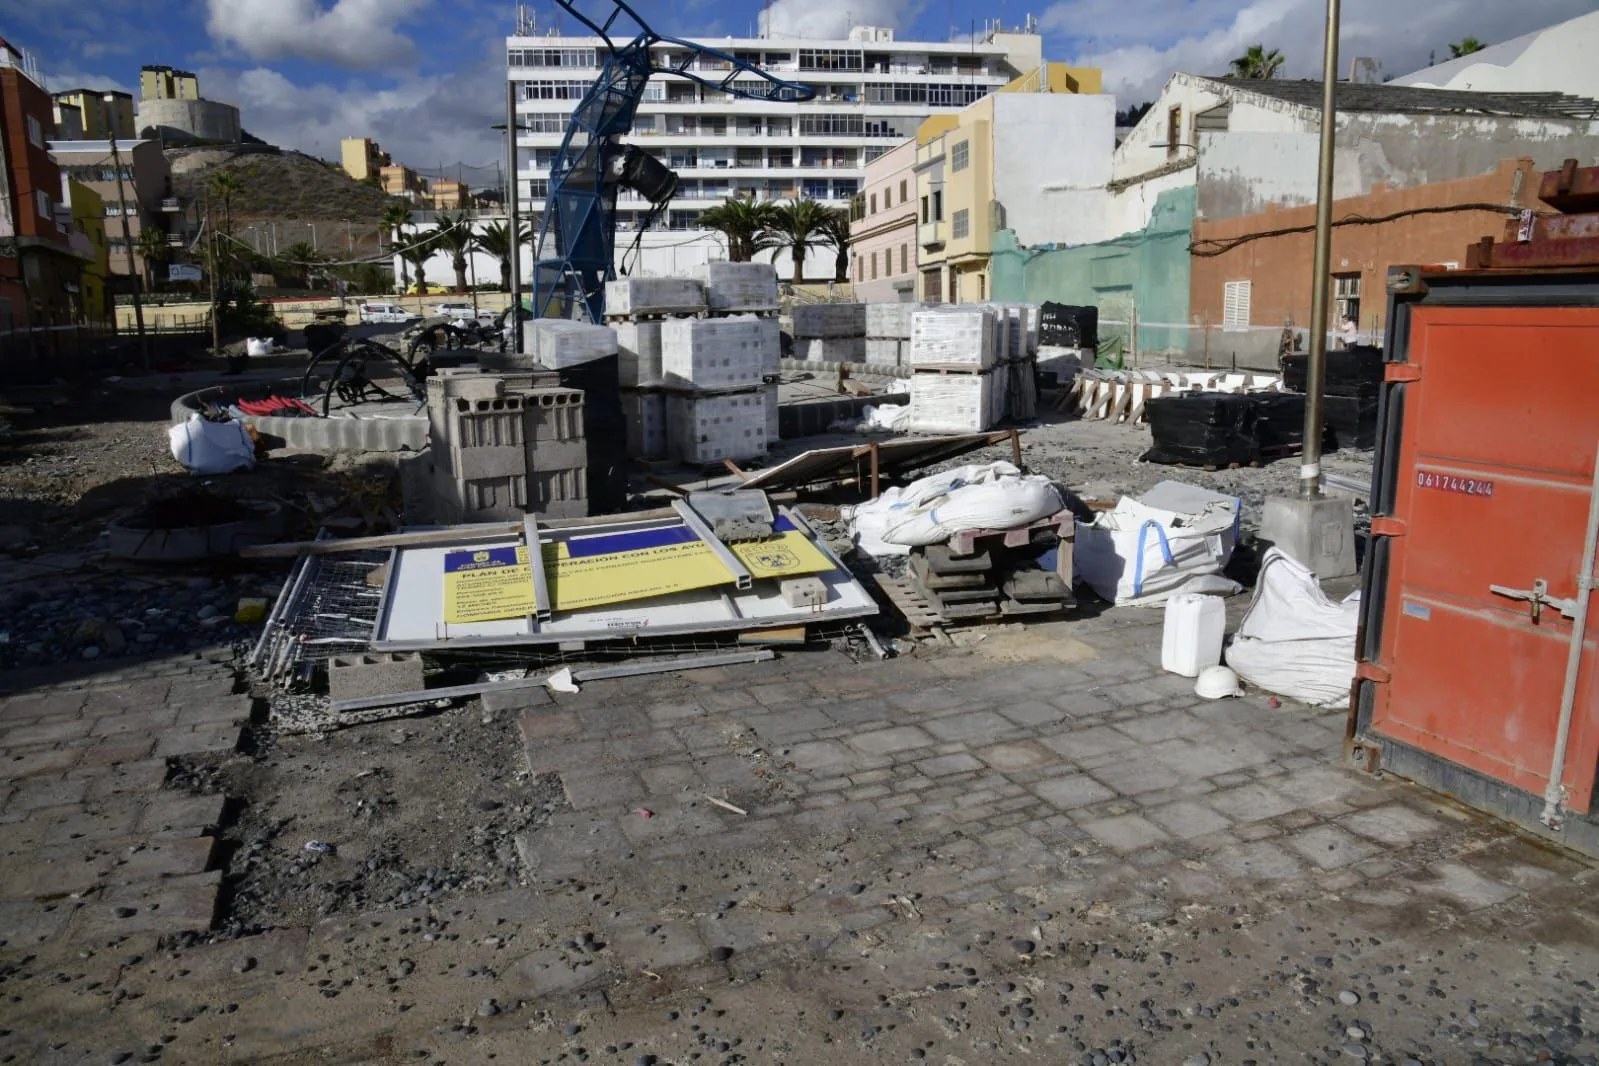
(416, 612)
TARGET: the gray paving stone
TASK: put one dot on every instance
(47, 732)
(1133, 776)
(587, 790)
(1127, 833)
(1017, 755)
(1394, 824)
(821, 756)
(1079, 704)
(1462, 884)
(1033, 713)
(888, 741)
(175, 811)
(679, 711)
(944, 765)
(975, 726)
(1210, 755)
(1330, 847)
(1071, 791)
(1188, 819)
(1252, 803)
(1166, 725)
(1258, 861)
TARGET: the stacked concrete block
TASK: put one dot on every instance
(885, 351)
(890, 321)
(951, 403)
(734, 288)
(829, 320)
(960, 338)
(638, 351)
(774, 431)
(645, 411)
(704, 429)
(718, 353)
(558, 343)
(643, 297)
(830, 349)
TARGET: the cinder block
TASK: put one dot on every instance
(502, 461)
(951, 403)
(882, 352)
(558, 343)
(653, 296)
(556, 454)
(708, 429)
(803, 591)
(638, 351)
(774, 422)
(830, 320)
(830, 349)
(646, 423)
(734, 287)
(377, 673)
(553, 413)
(718, 353)
(953, 336)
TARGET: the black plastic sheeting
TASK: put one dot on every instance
(1351, 372)
(606, 430)
(1221, 429)
(1068, 325)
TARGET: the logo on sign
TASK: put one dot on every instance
(1466, 486)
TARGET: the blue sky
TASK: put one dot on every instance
(425, 78)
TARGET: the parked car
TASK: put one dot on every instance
(453, 311)
(394, 313)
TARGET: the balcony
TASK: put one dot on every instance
(931, 236)
(170, 204)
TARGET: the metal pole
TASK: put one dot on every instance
(515, 217)
(211, 275)
(1316, 361)
(127, 242)
(1555, 792)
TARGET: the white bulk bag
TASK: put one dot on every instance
(929, 510)
(1139, 555)
(211, 447)
(258, 346)
(1295, 641)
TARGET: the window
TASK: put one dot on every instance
(543, 122)
(873, 209)
(938, 205)
(554, 90)
(112, 209)
(1174, 129)
(888, 199)
(41, 200)
(860, 271)
(35, 132)
(551, 57)
(1235, 305)
(1346, 296)
(814, 190)
(901, 190)
(845, 188)
(933, 286)
(832, 125)
(831, 59)
(926, 217)
(904, 267)
(959, 156)
(874, 266)
(961, 224)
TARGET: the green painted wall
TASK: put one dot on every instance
(1148, 268)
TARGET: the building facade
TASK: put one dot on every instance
(872, 93)
(883, 237)
(166, 83)
(88, 239)
(448, 194)
(172, 109)
(991, 168)
(361, 157)
(403, 182)
(102, 118)
(146, 200)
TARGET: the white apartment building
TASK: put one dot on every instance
(872, 93)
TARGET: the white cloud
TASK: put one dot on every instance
(1140, 43)
(833, 18)
(359, 34)
(60, 79)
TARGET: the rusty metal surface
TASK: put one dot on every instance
(1552, 227)
(1570, 187)
(1558, 253)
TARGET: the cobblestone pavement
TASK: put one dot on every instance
(1038, 848)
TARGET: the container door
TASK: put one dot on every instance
(1495, 471)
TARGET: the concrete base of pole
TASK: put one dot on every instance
(1318, 532)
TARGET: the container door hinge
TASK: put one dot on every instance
(1373, 672)
(1537, 597)
(1388, 527)
(1401, 372)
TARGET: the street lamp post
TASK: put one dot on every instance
(127, 237)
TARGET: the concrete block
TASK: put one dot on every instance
(718, 353)
(552, 413)
(803, 591)
(733, 287)
(653, 296)
(891, 321)
(558, 343)
(708, 429)
(374, 674)
(502, 461)
(646, 423)
(638, 351)
(883, 352)
(545, 455)
(774, 413)
(953, 336)
(951, 403)
(830, 320)
(1318, 533)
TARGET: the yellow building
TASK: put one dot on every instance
(361, 157)
(165, 83)
(89, 245)
(95, 111)
(992, 166)
(448, 195)
(403, 182)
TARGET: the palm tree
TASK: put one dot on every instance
(796, 226)
(454, 235)
(224, 184)
(152, 247)
(1465, 46)
(835, 231)
(396, 215)
(744, 223)
(1257, 63)
(418, 255)
(495, 239)
(302, 256)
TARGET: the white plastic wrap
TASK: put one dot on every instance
(829, 320)
(1294, 641)
(953, 336)
(653, 296)
(638, 350)
(1138, 555)
(951, 403)
(929, 511)
(558, 343)
(719, 353)
(731, 287)
(708, 429)
(645, 413)
(207, 448)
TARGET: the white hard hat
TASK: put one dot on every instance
(1217, 682)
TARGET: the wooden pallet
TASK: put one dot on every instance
(916, 611)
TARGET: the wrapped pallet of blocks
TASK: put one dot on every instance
(956, 337)
(719, 353)
(634, 297)
(638, 352)
(645, 411)
(829, 320)
(707, 428)
(830, 349)
(731, 288)
(951, 403)
(559, 343)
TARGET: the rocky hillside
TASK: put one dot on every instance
(278, 184)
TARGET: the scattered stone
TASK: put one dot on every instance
(488, 1009)
(244, 965)
(721, 954)
(1023, 947)
(1348, 998)
(1356, 1051)
(1201, 1058)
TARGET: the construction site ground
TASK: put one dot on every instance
(1031, 844)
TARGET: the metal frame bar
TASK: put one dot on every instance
(535, 560)
(741, 576)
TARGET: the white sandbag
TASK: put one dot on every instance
(884, 418)
(211, 447)
(995, 503)
(258, 346)
(1139, 555)
(1295, 641)
(869, 521)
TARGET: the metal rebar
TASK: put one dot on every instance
(1321, 282)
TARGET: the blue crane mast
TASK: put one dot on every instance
(576, 249)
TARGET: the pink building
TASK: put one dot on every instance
(883, 239)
